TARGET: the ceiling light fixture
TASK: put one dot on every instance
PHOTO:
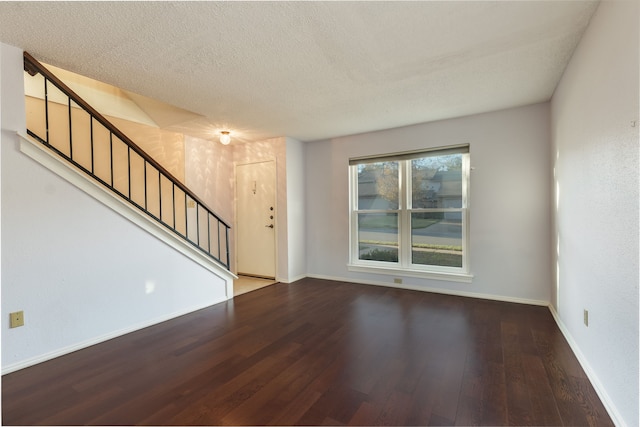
(225, 138)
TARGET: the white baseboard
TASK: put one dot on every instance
(595, 381)
(434, 290)
(96, 340)
(593, 378)
(294, 279)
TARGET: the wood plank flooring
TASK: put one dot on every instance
(320, 353)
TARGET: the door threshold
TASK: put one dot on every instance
(257, 276)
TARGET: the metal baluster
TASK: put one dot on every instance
(129, 170)
(197, 224)
(218, 227)
(145, 185)
(95, 116)
(226, 229)
(46, 111)
(209, 232)
(159, 196)
(186, 221)
(70, 131)
(111, 155)
(173, 204)
(91, 130)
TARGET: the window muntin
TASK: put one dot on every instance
(410, 211)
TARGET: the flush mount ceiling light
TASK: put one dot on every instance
(225, 138)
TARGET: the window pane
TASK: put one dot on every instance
(378, 185)
(436, 238)
(378, 236)
(436, 182)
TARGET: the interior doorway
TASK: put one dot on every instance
(256, 219)
(245, 284)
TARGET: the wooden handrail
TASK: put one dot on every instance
(32, 66)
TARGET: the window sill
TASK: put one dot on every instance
(436, 275)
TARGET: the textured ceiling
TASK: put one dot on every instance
(309, 70)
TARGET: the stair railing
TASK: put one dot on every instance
(107, 155)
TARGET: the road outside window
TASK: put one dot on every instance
(410, 210)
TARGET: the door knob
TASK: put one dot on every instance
(270, 225)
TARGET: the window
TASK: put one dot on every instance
(409, 212)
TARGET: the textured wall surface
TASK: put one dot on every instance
(595, 158)
(78, 270)
(296, 213)
(509, 208)
(209, 174)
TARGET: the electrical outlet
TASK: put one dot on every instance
(586, 318)
(397, 280)
(16, 319)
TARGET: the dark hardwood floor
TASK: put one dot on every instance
(315, 353)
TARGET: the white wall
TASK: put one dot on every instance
(80, 272)
(4, 50)
(595, 154)
(208, 172)
(296, 226)
(509, 211)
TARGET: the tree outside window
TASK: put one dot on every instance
(421, 224)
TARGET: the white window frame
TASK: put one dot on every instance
(404, 266)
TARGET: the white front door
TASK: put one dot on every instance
(255, 226)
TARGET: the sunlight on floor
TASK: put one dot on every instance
(246, 284)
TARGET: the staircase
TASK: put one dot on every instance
(64, 123)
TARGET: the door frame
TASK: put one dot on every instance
(275, 207)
